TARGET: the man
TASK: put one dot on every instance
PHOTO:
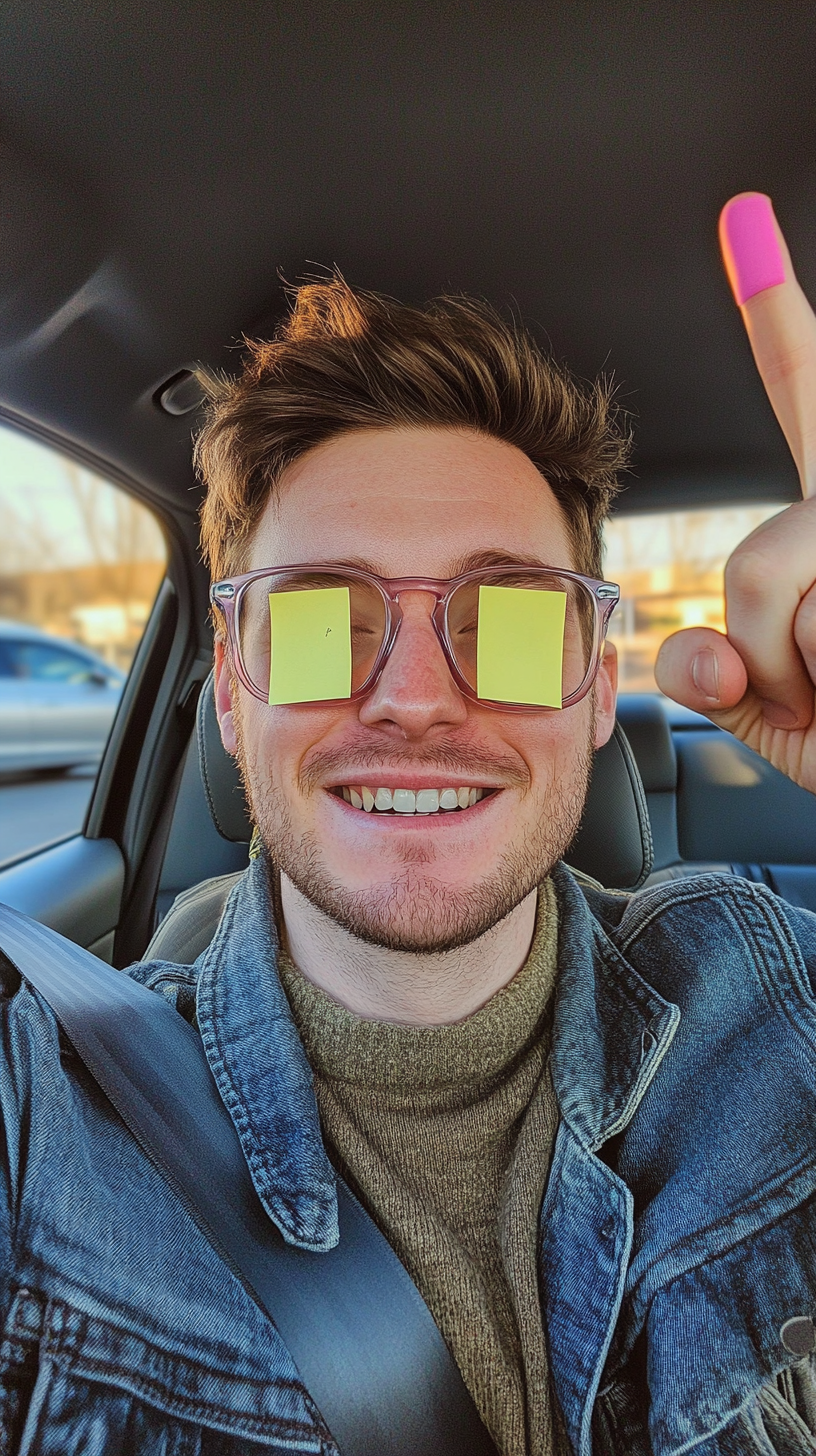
(605, 1200)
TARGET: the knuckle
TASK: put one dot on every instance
(752, 574)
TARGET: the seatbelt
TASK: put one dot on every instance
(362, 1337)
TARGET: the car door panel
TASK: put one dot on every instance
(74, 887)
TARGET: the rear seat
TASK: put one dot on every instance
(714, 805)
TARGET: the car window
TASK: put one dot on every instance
(669, 566)
(81, 561)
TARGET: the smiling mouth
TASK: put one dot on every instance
(411, 801)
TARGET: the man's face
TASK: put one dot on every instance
(413, 503)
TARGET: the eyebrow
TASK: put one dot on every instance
(479, 560)
(473, 561)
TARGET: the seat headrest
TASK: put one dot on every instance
(643, 718)
(614, 841)
(613, 844)
(219, 773)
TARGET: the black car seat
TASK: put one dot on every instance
(613, 845)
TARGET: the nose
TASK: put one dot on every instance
(416, 693)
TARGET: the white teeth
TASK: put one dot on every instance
(410, 801)
(427, 801)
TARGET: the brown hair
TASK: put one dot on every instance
(348, 360)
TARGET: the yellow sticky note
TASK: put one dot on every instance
(520, 645)
(310, 657)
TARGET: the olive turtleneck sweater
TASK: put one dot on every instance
(446, 1133)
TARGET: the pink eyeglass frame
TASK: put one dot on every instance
(226, 597)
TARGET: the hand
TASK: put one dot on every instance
(759, 680)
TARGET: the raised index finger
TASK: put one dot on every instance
(779, 321)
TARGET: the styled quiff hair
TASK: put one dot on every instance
(348, 360)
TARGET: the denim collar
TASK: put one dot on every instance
(611, 1030)
(260, 1067)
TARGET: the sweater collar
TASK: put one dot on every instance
(466, 1057)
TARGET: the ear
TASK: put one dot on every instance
(222, 673)
(606, 693)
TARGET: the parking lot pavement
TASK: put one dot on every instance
(37, 811)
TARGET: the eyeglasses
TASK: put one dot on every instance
(497, 644)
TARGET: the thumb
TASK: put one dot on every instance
(701, 669)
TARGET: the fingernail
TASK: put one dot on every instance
(778, 715)
(751, 251)
(705, 673)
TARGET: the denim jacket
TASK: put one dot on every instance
(677, 1232)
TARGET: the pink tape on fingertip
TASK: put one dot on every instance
(751, 251)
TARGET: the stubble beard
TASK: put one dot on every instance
(413, 912)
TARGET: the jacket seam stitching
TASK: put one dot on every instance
(713, 1257)
(142, 1384)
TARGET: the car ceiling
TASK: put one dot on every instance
(163, 168)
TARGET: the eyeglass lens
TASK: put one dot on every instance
(313, 659)
(316, 636)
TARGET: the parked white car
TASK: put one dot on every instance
(57, 701)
